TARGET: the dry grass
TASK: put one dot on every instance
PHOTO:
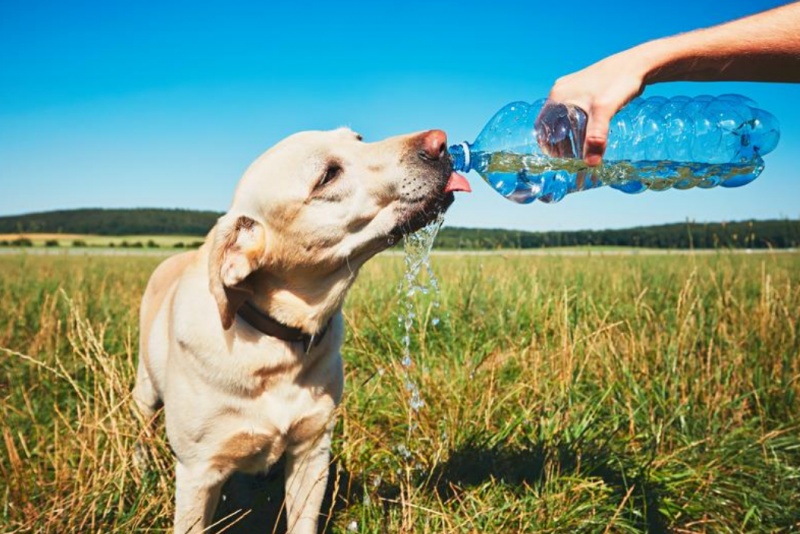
(563, 394)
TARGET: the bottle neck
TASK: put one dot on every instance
(460, 154)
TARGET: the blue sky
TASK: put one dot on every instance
(164, 104)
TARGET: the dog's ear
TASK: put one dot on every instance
(237, 249)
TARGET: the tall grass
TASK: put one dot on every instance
(562, 394)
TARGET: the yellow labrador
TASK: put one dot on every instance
(240, 339)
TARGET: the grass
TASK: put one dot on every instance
(562, 394)
(93, 240)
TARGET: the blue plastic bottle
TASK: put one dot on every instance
(534, 151)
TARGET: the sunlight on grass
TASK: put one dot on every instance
(562, 394)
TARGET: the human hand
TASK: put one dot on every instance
(601, 90)
(761, 47)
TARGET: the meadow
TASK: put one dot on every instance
(579, 393)
(103, 241)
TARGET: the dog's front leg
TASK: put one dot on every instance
(306, 479)
(197, 492)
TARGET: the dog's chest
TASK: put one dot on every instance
(263, 428)
(262, 397)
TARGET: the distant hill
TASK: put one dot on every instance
(782, 233)
(144, 221)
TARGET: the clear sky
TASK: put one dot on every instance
(164, 103)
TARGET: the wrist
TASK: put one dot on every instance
(654, 59)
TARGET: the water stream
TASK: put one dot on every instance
(418, 279)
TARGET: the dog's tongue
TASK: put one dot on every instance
(457, 183)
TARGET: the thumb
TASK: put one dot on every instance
(594, 145)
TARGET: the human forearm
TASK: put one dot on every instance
(761, 47)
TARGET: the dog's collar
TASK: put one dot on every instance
(273, 328)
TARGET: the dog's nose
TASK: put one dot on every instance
(433, 145)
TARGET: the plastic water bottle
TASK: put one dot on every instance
(534, 151)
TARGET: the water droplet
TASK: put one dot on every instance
(403, 451)
(416, 401)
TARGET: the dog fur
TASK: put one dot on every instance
(305, 217)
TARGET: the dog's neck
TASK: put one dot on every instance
(307, 306)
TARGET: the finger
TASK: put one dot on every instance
(594, 145)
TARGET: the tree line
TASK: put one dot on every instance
(776, 233)
(781, 233)
(142, 221)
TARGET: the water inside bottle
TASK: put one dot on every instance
(526, 177)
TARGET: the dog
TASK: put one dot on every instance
(240, 340)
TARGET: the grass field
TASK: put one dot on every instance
(562, 394)
(93, 240)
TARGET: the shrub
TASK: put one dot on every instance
(51, 243)
(79, 243)
(195, 244)
(22, 242)
(152, 244)
(179, 244)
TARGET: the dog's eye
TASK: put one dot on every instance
(331, 173)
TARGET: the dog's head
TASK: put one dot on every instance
(310, 211)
